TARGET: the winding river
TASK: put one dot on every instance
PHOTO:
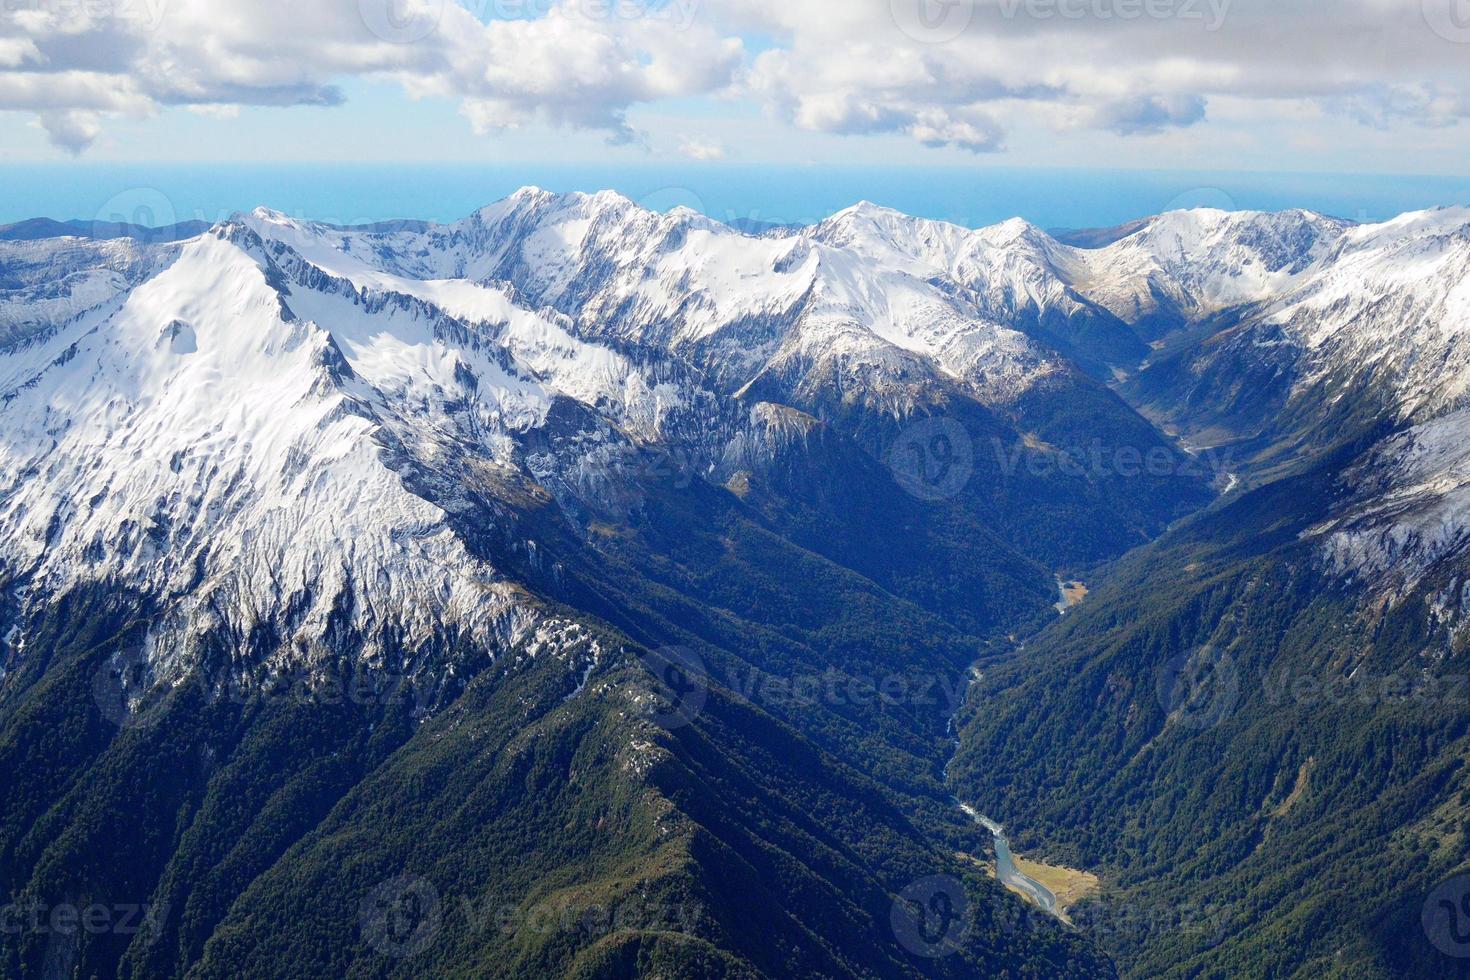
(1005, 863)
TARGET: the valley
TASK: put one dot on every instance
(710, 571)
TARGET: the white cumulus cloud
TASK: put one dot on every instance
(955, 73)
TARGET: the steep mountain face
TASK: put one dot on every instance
(378, 592)
(1404, 513)
(1188, 265)
(1263, 711)
(197, 440)
(1367, 332)
(473, 475)
(44, 284)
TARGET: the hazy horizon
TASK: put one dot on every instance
(164, 194)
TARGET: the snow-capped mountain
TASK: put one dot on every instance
(280, 429)
(1012, 273)
(1390, 303)
(1376, 310)
(1192, 264)
(740, 308)
(1328, 331)
(278, 420)
(510, 451)
(195, 439)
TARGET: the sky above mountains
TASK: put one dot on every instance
(1250, 84)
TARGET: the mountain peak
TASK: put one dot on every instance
(272, 216)
(1013, 230)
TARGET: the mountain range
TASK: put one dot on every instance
(603, 592)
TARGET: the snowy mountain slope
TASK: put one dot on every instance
(1186, 265)
(46, 282)
(1390, 302)
(733, 304)
(197, 440)
(1374, 322)
(277, 421)
(1011, 273)
(1359, 333)
(1408, 508)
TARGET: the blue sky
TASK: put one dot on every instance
(1356, 86)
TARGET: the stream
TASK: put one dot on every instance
(1005, 863)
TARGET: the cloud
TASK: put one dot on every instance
(702, 149)
(1148, 113)
(72, 129)
(952, 73)
(578, 64)
(960, 72)
(576, 71)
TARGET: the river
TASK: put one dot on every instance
(1005, 863)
